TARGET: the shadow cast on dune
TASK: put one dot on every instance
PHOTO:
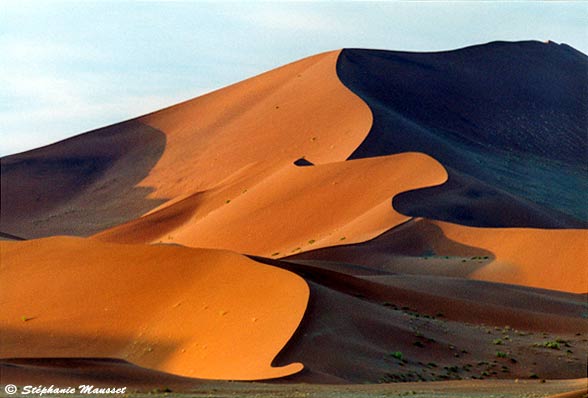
(506, 119)
(353, 326)
(100, 372)
(91, 345)
(493, 206)
(414, 247)
(80, 185)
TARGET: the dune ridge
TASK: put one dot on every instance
(190, 312)
(547, 259)
(317, 204)
(519, 132)
(115, 174)
(357, 216)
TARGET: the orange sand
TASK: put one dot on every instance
(251, 128)
(550, 259)
(191, 312)
(292, 210)
(258, 124)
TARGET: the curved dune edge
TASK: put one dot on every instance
(523, 171)
(290, 211)
(260, 124)
(190, 312)
(549, 259)
(298, 110)
(540, 258)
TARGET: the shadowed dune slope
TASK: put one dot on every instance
(505, 119)
(82, 184)
(442, 328)
(100, 372)
(93, 181)
(189, 312)
(291, 210)
(548, 259)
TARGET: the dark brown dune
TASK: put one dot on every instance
(507, 119)
(80, 185)
(353, 327)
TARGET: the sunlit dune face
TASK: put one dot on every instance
(291, 210)
(549, 259)
(198, 313)
(301, 109)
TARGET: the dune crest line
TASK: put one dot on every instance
(200, 313)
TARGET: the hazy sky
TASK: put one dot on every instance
(69, 67)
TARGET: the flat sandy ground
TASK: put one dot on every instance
(453, 389)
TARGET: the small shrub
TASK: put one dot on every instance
(554, 345)
(497, 342)
(501, 354)
(398, 355)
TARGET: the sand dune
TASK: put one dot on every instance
(115, 174)
(508, 117)
(190, 312)
(357, 216)
(318, 204)
(548, 259)
(353, 327)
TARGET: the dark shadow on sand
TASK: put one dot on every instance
(81, 185)
(508, 121)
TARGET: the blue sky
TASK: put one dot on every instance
(69, 67)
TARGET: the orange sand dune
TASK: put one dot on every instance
(109, 176)
(549, 259)
(268, 119)
(190, 312)
(294, 209)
